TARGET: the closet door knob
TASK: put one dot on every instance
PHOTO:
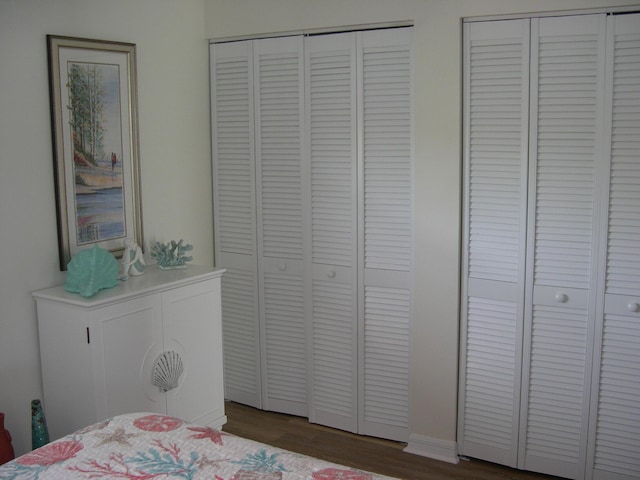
(331, 274)
(633, 307)
(562, 297)
(282, 266)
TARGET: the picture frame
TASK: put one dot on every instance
(94, 123)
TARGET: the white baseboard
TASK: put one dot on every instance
(433, 448)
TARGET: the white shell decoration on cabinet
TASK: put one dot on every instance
(167, 371)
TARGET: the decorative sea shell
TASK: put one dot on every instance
(91, 270)
(167, 371)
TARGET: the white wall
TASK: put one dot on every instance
(438, 162)
(174, 156)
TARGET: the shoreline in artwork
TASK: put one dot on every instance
(97, 178)
(99, 203)
(100, 216)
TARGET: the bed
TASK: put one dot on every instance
(148, 446)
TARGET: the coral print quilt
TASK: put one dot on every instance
(147, 446)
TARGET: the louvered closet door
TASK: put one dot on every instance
(332, 290)
(385, 232)
(616, 420)
(235, 216)
(565, 157)
(279, 65)
(496, 130)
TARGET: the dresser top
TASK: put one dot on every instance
(153, 280)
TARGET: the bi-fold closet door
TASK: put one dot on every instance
(359, 139)
(313, 214)
(257, 97)
(614, 427)
(540, 115)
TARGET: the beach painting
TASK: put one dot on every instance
(93, 107)
(96, 134)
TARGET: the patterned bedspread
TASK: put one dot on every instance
(146, 446)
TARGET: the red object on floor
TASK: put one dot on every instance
(6, 449)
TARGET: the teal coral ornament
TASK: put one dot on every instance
(171, 255)
(91, 270)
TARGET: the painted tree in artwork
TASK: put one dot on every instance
(86, 91)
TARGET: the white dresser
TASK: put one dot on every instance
(99, 354)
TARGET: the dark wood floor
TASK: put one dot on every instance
(365, 453)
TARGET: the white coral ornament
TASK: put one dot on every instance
(167, 371)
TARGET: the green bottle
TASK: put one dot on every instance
(39, 432)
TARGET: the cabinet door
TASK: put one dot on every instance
(385, 232)
(234, 186)
(332, 290)
(192, 327)
(279, 101)
(616, 415)
(496, 86)
(66, 361)
(567, 93)
(126, 339)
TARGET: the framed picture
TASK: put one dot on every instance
(95, 144)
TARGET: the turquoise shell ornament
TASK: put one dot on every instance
(91, 270)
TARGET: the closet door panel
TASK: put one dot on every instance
(279, 104)
(235, 216)
(567, 120)
(233, 148)
(496, 136)
(333, 393)
(555, 415)
(385, 231)
(240, 335)
(617, 418)
(618, 414)
(284, 350)
(331, 144)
